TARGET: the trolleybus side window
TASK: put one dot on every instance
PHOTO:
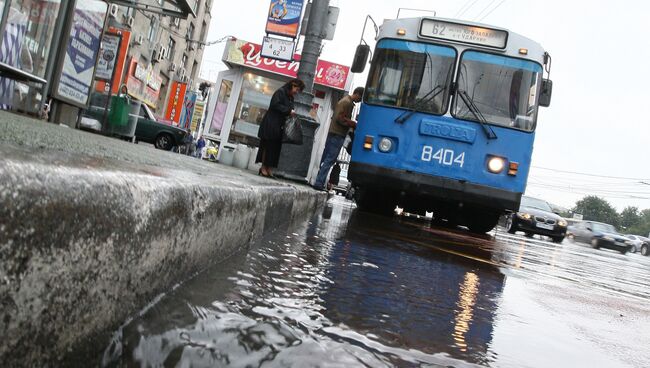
(504, 89)
(404, 74)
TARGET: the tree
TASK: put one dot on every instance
(597, 209)
(642, 227)
(630, 217)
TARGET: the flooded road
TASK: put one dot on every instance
(348, 289)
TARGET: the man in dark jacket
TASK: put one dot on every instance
(341, 123)
(270, 133)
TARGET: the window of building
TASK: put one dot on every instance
(184, 60)
(195, 66)
(171, 49)
(152, 29)
(254, 100)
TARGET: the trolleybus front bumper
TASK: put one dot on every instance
(438, 188)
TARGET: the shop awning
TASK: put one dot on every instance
(172, 8)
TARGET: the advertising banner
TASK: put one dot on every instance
(248, 54)
(120, 62)
(188, 110)
(284, 17)
(143, 83)
(175, 103)
(76, 77)
(107, 57)
(197, 116)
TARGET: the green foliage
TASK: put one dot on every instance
(597, 209)
(642, 226)
(630, 217)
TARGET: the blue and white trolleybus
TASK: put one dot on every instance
(448, 119)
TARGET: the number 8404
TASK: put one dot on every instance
(443, 156)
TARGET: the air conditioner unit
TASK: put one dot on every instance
(177, 22)
(181, 73)
(112, 11)
(138, 40)
(129, 22)
(172, 67)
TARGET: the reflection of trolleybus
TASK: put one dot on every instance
(448, 119)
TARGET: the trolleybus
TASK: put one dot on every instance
(448, 119)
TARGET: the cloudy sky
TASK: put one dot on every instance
(598, 123)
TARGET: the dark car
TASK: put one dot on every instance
(535, 216)
(601, 235)
(148, 129)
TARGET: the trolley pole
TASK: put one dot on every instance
(295, 160)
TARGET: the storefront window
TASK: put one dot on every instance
(253, 102)
(26, 40)
(219, 116)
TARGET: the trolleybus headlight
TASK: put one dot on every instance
(385, 144)
(496, 164)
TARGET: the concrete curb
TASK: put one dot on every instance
(86, 242)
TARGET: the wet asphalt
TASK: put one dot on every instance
(348, 289)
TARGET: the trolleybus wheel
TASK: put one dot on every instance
(481, 223)
(380, 204)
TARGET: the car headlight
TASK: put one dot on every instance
(608, 238)
(524, 215)
(496, 164)
(385, 144)
(562, 223)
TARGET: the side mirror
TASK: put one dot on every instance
(546, 92)
(589, 228)
(360, 59)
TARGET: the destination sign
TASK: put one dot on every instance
(465, 33)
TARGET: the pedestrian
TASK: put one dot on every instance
(272, 126)
(199, 147)
(188, 142)
(341, 123)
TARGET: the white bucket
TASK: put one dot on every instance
(227, 155)
(252, 166)
(242, 155)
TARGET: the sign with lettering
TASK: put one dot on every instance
(275, 48)
(248, 54)
(448, 130)
(143, 83)
(107, 57)
(175, 103)
(284, 17)
(465, 33)
(76, 77)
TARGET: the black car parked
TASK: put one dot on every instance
(535, 216)
(601, 235)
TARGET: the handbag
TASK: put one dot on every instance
(292, 133)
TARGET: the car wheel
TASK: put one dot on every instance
(510, 225)
(594, 243)
(644, 250)
(632, 249)
(558, 239)
(164, 141)
(623, 251)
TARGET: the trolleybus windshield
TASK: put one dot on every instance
(502, 88)
(404, 73)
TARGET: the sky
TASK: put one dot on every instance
(598, 122)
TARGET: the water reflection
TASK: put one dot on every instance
(328, 294)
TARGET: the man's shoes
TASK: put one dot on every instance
(320, 189)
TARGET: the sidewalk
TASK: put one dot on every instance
(93, 228)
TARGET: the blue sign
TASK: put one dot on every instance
(76, 77)
(284, 17)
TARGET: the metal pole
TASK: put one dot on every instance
(310, 52)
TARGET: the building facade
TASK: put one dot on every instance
(170, 49)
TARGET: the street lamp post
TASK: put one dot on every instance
(295, 160)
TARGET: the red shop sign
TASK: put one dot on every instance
(249, 54)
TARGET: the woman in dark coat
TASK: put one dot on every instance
(272, 125)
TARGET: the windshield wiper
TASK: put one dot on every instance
(477, 113)
(419, 102)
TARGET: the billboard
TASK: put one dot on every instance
(76, 77)
(120, 62)
(143, 83)
(175, 103)
(284, 17)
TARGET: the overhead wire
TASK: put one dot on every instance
(484, 9)
(493, 9)
(589, 174)
(466, 9)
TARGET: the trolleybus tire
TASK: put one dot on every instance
(482, 223)
(374, 203)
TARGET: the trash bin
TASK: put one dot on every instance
(123, 116)
(242, 155)
(252, 166)
(227, 155)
